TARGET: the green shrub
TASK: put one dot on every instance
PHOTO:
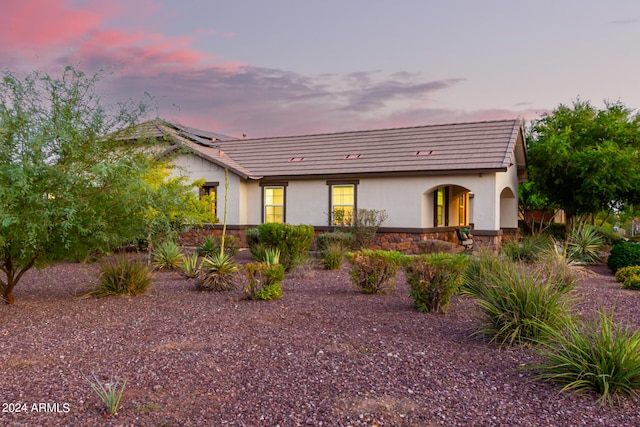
(373, 272)
(167, 256)
(189, 267)
(217, 273)
(518, 307)
(324, 240)
(293, 242)
(584, 244)
(333, 255)
(123, 276)
(598, 356)
(364, 226)
(624, 254)
(433, 279)
(432, 246)
(253, 236)
(211, 245)
(629, 277)
(265, 281)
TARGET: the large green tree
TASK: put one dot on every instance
(70, 184)
(585, 160)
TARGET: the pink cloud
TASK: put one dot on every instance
(43, 23)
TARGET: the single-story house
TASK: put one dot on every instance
(430, 180)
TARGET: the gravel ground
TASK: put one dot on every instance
(323, 355)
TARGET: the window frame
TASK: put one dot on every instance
(274, 185)
(341, 183)
(441, 219)
(206, 190)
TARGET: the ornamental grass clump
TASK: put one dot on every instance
(517, 306)
(167, 256)
(598, 356)
(527, 249)
(373, 272)
(333, 255)
(433, 279)
(123, 276)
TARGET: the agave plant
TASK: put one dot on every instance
(167, 256)
(217, 273)
(585, 244)
(190, 266)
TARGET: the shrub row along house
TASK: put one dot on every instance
(431, 180)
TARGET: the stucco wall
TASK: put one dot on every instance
(407, 200)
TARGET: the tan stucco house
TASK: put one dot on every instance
(429, 179)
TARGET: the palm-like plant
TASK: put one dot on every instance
(190, 266)
(584, 244)
(167, 256)
(217, 273)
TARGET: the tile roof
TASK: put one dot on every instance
(460, 148)
(469, 147)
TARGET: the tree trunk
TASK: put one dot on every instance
(8, 297)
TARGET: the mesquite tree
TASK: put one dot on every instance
(70, 185)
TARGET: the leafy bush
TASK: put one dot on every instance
(265, 281)
(433, 279)
(293, 242)
(211, 245)
(584, 244)
(526, 249)
(167, 256)
(333, 255)
(517, 307)
(123, 276)
(629, 277)
(609, 237)
(373, 272)
(598, 356)
(189, 267)
(217, 273)
(364, 226)
(253, 236)
(624, 254)
(324, 240)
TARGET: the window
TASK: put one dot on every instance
(342, 204)
(441, 205)
(273, 204)
(210, 190)
(462, 209)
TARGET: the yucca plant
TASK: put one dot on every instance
(584, 244)
(208, 247)
(123, 277)
(528, 249)
(518, 307)
(217, 273)
(597, 356)
(167, 256)
(109, 393)
(190, 266)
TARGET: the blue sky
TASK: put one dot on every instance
(282, 67)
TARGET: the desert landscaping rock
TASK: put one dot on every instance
(323, 355)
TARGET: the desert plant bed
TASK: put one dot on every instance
(323, 354)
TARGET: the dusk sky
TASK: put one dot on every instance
(280, 67)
